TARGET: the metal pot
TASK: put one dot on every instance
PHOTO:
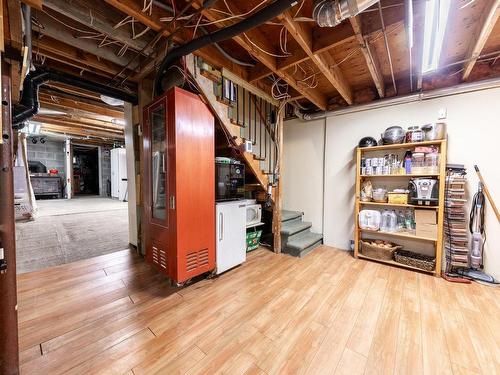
(392, 135)
(434, 131)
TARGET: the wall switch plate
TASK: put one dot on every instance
(442, 113)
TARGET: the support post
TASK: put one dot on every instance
(131, 175)
(9, 356)
(278, 191)
(69, 169)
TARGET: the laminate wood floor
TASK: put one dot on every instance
(325, 314)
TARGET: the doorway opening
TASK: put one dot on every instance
(86, 170)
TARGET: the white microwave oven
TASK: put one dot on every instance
(254, 213)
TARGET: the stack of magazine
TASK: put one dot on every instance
(455, 218)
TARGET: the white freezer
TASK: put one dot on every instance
(230, 235)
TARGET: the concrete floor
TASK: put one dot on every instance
(69, 230)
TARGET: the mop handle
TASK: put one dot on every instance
(487, 193)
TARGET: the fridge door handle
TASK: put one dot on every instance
(221, 226)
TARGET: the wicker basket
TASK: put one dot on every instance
(409, 258)
(377, 252)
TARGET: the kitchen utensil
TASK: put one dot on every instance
(434, 131)
(424, 191)
(392, 135)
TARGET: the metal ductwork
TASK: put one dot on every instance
(330, 13)
(258, 18)
(29, 104)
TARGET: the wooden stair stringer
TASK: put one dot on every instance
(205, 86)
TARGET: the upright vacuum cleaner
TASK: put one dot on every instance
(478, 238)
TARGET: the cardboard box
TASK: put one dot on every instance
(427, 230)
(427, 216)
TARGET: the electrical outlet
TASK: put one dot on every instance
(442, 113)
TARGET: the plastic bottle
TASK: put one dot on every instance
(407, 162)
(401, 221)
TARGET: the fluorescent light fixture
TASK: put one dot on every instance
(118, 121)
(112, 101)
(436, 17)
(33, 128)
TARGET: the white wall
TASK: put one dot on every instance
(473, 134)
(303, 152)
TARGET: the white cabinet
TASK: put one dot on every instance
(230, 234)
(119, 174)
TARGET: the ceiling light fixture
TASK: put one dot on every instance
(112, 101)
(436, 17)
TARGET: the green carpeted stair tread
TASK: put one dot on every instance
(287, 215)
(294, 227)
(304, 241)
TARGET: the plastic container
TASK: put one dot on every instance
(418, 163)
(389, 221)
(432, 163)
(379, 195)
(397, 198)
(369, 219)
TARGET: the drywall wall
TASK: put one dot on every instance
(473, 134)
(303, 151)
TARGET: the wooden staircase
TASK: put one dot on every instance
(244, 119)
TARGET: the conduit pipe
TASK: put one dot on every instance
(258, 18)
(29, 104)
(463, 88)
(330, 13)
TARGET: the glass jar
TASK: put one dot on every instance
(414, 134)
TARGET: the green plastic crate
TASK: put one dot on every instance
(253, 240)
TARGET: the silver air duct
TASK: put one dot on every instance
(330, 13)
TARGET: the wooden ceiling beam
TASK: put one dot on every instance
(478, 39)
(63, 122)
(37, 4)
(65, 103)
(63, 51)
(370, 58)
(77, 121)
(209, 54)
(325, 64)
(324, 39)
(80, 132)
(61, 33)
(270, 62)
(96, 22)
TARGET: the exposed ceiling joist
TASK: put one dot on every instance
(370, 58)
(53, 47)
(209, 54)
(58, 102)
(66, 123)
(324, 39)
(63, 34)
(68, 130)
(95, 21)
(270, 62)
(325, 64)
(37, 4)
(488, 20)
